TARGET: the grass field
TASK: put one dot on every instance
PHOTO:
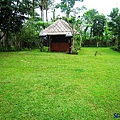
(57, 86)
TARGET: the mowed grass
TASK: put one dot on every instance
(57, 86)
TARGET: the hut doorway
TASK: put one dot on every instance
(60, 43)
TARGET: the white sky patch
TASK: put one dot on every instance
(102, 6)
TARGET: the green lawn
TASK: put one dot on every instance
(57, 86)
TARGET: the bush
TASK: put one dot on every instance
(115, 48)
(3, 49)
(75, 51)
(45, 49)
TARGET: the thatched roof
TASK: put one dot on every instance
(59, 27)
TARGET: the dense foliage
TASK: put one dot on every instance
(67, 6)
(20, 24)
(12, 15)
(98, 27)
(114, 25)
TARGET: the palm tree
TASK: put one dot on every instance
(44, 5)
(88, 18)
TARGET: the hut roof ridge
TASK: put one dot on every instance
(58, 27)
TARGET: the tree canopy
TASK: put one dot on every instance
(12, 15)
(67, 5)
(114, 24)
(19, 18)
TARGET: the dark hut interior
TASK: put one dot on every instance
(60, 43)
(58, 36)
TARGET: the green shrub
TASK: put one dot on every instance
(3, 49)
(45, 49)
(116, 48)
(75, 51)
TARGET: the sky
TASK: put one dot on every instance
(102, 6)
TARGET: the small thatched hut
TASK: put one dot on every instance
(59, 36)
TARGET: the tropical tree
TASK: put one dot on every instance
(44, 5)
(108, 35)
(12, 16)
(33, 9)
(88, 20)
(75, 24)
(98, 27)
(48, 5)
(27, 35)
(67, 6)
(79, 27)
(114, 25)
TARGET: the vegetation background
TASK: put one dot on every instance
(20, 24)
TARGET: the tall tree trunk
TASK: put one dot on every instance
(43, 15)
(97, 42)
(119, 42)
(42, 12)
(90, 33)
(85, 32)
(67, 15)
(33, 10)
(80, 40)
(2, 35)
(7, 41)
(46, 15)
(54, 14)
